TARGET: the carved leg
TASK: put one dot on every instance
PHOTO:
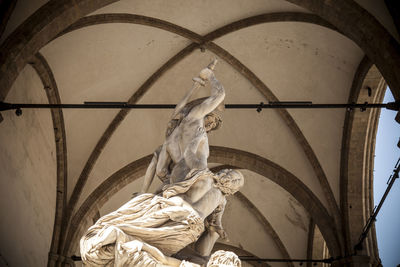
(206, 242)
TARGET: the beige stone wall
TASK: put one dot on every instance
(28, 177)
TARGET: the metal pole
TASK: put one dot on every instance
(272, 105)
(372, 218)
(246, 258)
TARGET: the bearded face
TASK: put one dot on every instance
(229, 181)
(212, 122)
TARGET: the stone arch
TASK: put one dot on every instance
(357, 158)
(56, 15)
(43, 70)
(223, 155)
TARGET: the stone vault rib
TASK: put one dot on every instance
(356, 169)
(43, 69)
(359, 76)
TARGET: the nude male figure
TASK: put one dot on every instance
(170, 162)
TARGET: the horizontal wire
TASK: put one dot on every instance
(272, 105)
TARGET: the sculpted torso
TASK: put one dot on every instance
(202, 197)
(208, 199)
(183, 135)
(187, 147)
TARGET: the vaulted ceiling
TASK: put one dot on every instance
(307, 171)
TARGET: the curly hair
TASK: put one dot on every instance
(229, 181)
(224, 258)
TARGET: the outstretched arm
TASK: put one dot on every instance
(150, 172)
(164, 159)
(212, 102)
(214, 231)
(185, 99)
(197, 83)
(215, 220)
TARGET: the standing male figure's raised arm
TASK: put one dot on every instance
(185, 99)
(197, 83)
(151, 171)
(213, 101)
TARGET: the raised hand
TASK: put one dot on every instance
(206, 74)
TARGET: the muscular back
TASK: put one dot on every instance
(188, 148)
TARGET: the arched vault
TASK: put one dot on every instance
(73, 165)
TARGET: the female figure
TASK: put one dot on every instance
(150, 228)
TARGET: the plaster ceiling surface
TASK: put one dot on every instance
(138, 123)
(296, 61)
(303, 62)
(103, 63)
(200, 16)
(239, 223)
(285, 214)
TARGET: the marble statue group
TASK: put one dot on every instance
(179, 224)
